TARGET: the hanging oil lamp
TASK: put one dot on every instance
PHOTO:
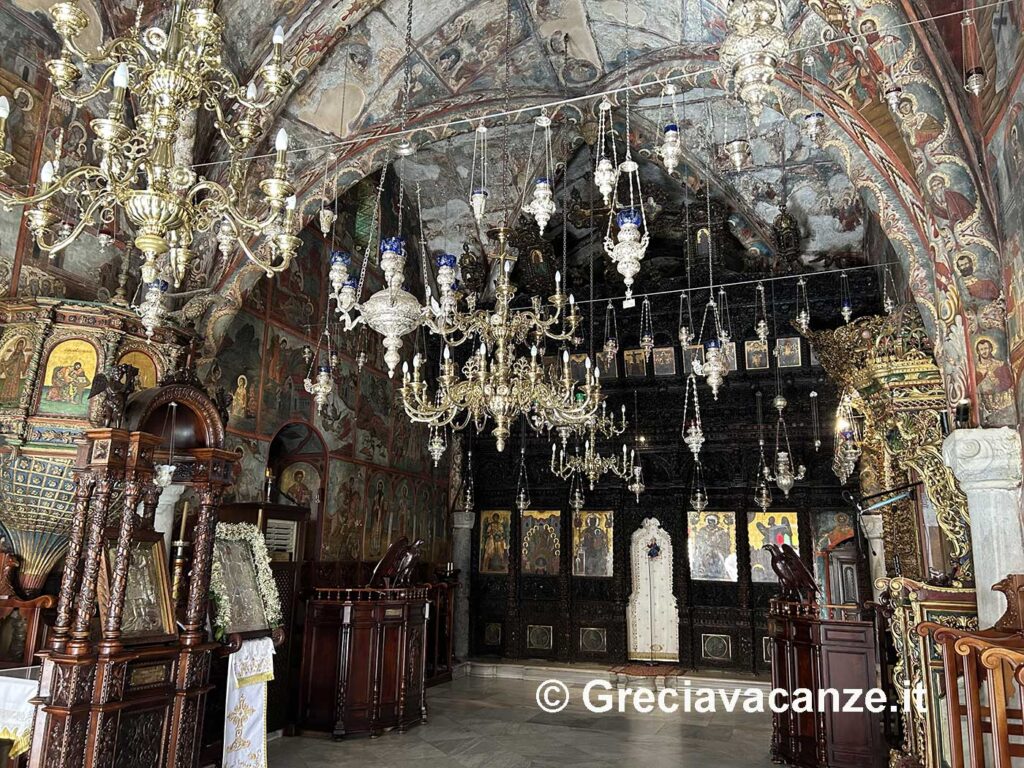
(888, 291)
(646, 329)
(737, 152)
(323, 384)
(975, 78)
(698, 490)
(606, 168)
(813, 122)
(478, 174)
(611, 335)
(693, 431)
(542, 206)
(845, 299)
(670, 150)
(685, 321)
(784, 475)
(803, 308)
(761, 314)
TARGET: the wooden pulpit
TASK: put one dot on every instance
(364, 652)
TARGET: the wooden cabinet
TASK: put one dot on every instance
(364, 660)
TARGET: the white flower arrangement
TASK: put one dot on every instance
(251, 535)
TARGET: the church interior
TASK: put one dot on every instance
(511, 383)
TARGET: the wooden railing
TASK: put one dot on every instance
(983, 679)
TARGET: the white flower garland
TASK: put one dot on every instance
(264, 577)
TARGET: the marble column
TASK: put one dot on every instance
(871, 525)
(987, 462)
(163, 520)
(462, 548)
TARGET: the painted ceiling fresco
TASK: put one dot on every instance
(916, 172)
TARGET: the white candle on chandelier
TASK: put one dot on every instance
(278, 41)
(46, 174)
(281, 146)
(5, 108)
(251, 93)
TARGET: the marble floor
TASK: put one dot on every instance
(496, 723)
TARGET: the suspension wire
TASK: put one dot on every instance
(676, 291)
(554, 104)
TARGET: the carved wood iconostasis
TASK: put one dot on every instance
(575, 607)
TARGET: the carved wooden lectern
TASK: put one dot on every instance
(364, 654)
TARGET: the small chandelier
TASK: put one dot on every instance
(606, 169)
(784, 476)
(752, 52)
(591, 464)
(542, 206)
(173, 75)
(437, 442)
(646, 329)
(495, 384)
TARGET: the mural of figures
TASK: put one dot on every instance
(14, 359)
(342, 532)
(252, 463)
(145, 365)
(769, 528)
(541, 540)
(284, 395)
(239, 362)
(337, 419)
(67, 379)
(592, 544)
(296, 293)
(995, 381)
(378, 515)
(712, 545)
(494, 535)
(372, 417)
(301, 482)
(829, 530)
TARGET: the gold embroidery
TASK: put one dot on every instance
(239, 716)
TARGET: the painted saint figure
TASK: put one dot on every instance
(68, 384)
(12, 371)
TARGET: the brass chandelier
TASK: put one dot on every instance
(142, 165)
(496, 384)
(590, 464)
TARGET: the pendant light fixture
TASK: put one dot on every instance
(760, 315)
(629, 246)
(611, 335)
(478, 191)
(646, 329)
(542, 206)
(803, 307)
(889, 292)
(606, 166)
(975, 78)
(815, 427)
(322, 384)
(636, 484)
(762, 490)
(714, 367)
(670, 150)
(523, 482)
(845, 299)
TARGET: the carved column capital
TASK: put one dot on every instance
(872, 526)
(984, 459)
(463, 519)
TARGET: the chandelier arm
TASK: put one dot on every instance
(60, 185)
(114, 51)
(85, 221)
(264, 264)
(229, 208)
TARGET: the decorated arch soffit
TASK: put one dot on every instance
(912, 175)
